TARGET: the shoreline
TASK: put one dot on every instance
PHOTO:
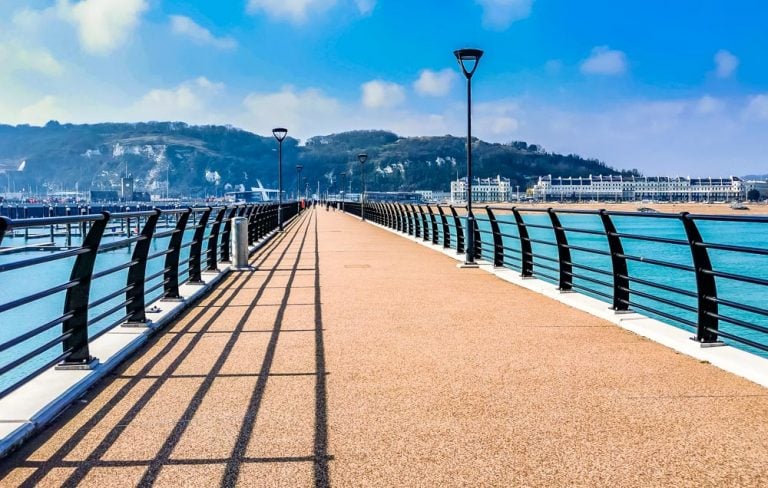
(753, 209)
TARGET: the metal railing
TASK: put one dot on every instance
(123, 263)
(656, 263)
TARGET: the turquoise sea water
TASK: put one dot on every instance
(19, 283)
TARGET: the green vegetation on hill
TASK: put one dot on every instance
(200, 160)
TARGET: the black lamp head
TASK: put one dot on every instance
(468, 60)
(279, 133)
(362, 157)
(299, 168)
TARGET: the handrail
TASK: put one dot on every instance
(87, 315)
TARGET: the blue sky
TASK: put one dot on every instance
(673, 88)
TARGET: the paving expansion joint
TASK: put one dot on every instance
(728, 358)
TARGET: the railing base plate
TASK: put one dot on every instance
(242, 268)
(467, 265)
(91, 364)
(622, 312)
(196, 282)
(172, 299)
(138, 325)
(708, 344)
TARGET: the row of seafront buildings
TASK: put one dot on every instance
(610, 188)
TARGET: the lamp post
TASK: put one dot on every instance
(280, 133)
(343, 182)
(468, 60)
(362, 157)
(298, 172)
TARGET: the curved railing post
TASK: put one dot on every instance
(706, 287)
(446, 228)
(459, 231)
(5, 224)
(403, 221)
(226, 235)
(392, 216)
(526, 251)
(435, 235)
(424, 226)
(213, 240)
(196, 249)
(75, 328)
(416, 221)
(253, 223)
(242, 209)
(134, 297)
(478, 240)
(498, 243)
(171, 275)
(407, 224)
(618, 264)
(563, 253)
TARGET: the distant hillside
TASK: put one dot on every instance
(201, 160)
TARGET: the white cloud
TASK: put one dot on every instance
(757, 107)
(382, 94)
(41, 111)
(605, 61)
(14, 57)
(365, 6)
(500, 14)
(435, 83)
(103, 25)
(187, 101)
(725, 63)
(709, 105)
(186, 27)
(295, 11)
(303, 112)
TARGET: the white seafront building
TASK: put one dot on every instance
(632, 188)
(483, 189)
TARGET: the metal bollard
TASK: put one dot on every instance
(240, 243)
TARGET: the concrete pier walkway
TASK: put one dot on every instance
(353, 357)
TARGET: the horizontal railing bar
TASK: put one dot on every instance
(657, 215)
(109, 312)
(112, 270)
(694, 325)
(660, 286)
(24, 379)
(43, 259)
(156, 275)
(136, 213)
(587, 249)
(537, 226)
(739, 322)
(656, 262)
(35, 352)
(662, 240)
(735, 277)
(588, 278)
(537, 273)
(36, 331)
(729, 218)
(740, 306)
(733, 248)
(46, 221)
(665, 301)
(111, 246)
(109, 327)
(545, 258)
(591, 290)
(742, 340)
(37, 296)
(539, 241)
(159, 254)
(582, 231)
(590, 268)
(156, 287)
(109, 297)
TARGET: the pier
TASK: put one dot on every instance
(353, 356)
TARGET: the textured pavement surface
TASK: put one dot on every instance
(353, 357)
